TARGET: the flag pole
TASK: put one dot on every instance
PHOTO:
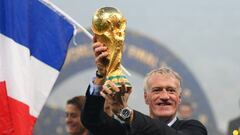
(76, 25)
(68, 17)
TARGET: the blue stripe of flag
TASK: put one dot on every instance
(37, 27)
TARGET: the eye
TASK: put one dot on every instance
(74, 115)
(156, 90)
(171, 90)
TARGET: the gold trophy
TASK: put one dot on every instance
(109, 26)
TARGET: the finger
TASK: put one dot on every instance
(112, 85)
(107, 97)
(129, 90)
(96, 45)
(100, 49)
(100, 58)
(102, 55)
(107, 90)
(123, 88)
(103, 94)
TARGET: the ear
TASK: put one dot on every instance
(146, 98)
(180, 98)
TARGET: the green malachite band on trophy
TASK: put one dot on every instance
(115, 77)
(127, 84)
(123, 79)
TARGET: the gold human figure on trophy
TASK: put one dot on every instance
(109, 26)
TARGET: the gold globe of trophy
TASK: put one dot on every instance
(109, 26)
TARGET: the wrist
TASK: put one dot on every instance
(100, 79)
(125, 114)
(99, 75)
(101, 72)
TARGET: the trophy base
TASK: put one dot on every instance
(118, 80)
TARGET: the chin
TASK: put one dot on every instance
(165, 113)
(71, 131)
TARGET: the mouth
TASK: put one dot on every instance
(70, 126)
(164, 104)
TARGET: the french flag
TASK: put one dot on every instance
(33, 44)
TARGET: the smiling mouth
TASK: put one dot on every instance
(70, 126)
(164, 104)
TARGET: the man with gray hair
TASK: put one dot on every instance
(162, 93)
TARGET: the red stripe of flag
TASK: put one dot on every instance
(14, 115)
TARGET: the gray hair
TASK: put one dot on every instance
(165, 70)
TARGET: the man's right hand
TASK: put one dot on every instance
(101, 61)
(117, 97)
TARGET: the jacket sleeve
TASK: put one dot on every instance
(144, 125)
(96, 120)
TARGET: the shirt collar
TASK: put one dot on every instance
(172, 121)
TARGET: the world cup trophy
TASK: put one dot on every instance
(109, 26)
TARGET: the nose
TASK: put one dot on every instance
(164, 95)
(68, 119)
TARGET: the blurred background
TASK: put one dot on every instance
(198, 38)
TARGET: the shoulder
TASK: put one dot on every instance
(234, 122)
(191, 125)
(190, 122)
(236, 119)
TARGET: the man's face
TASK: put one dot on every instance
(185, 111)
(163, 96)
(73, 120)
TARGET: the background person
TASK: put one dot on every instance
(234, 125)
(74, 125)
(185, 111)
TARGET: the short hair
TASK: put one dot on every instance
(78, 101)
(164, 70)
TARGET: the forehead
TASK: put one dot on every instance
(70, 108)
(162, 80)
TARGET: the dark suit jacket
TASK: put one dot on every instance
(233, 125)
(97, 122)
(144, 125)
